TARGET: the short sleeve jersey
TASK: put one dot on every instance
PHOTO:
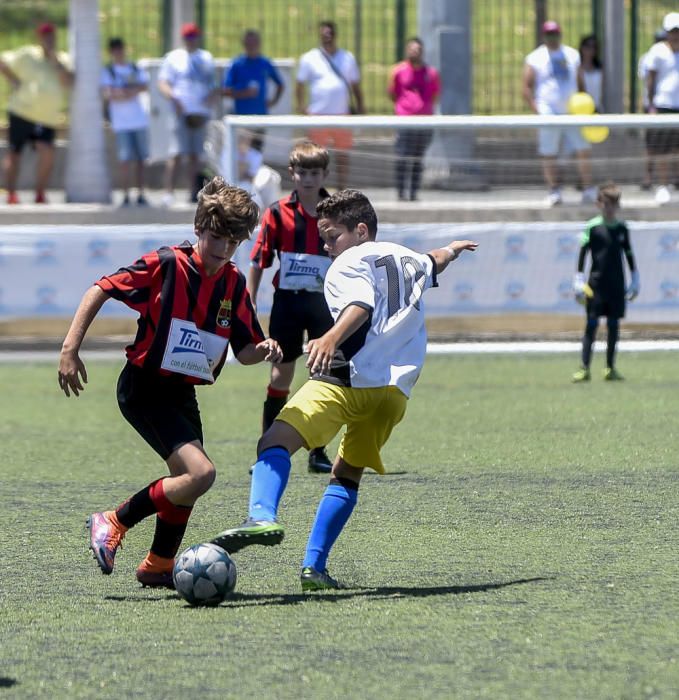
(556, 77)
(288, 230)
(661, 59)
(607, 244)
(192, 78)
(40, 96)
(246, 71)
(125, 115)
(414, 89)
(171, 283)
(388, 280)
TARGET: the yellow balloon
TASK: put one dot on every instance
(581, 103)
(595, 134)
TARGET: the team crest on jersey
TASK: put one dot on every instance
(224, 313)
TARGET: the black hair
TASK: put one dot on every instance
(329, 24)
(115, 43)
(586, 39)
(349, 208)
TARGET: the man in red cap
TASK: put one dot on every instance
(40, 78)
(187, 78)
(550, 77)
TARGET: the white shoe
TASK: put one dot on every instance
(167, 200)
(554, 197)
(662, 195)
(590, 195)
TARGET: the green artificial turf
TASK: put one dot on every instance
(524, 546)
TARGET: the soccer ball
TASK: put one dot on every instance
(204, 574)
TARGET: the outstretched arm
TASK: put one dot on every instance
(444, 256)
(71, 367)
(266, 351)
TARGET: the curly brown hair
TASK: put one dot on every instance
(226, 210)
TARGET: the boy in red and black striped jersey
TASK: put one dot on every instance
(192, 303)
(289, 229)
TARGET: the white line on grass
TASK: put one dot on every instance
(487, 348)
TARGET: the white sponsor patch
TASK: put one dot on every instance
(191, 351)
(302, 271)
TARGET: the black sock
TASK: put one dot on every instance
(138, 507)
(168, 535)
(588, 341)
(613, 332)
(272, 407)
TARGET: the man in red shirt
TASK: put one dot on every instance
(290, 230)
(192, 303)
(414, 88)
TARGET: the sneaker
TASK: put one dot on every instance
(266, 532)
(612, 375)
(662, 195)
(167, 200)
(589, 195)
(554, 197)
(40, 197)
(105, 538)
(313, 580)
(319, 462)
(12, 197)
(142, 201)
(582, 375)
(155, 572)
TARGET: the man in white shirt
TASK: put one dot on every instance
(187, 78)
(362, 372)
(642, 73)
(663, 98)
(334, 82)
(550, 77)
(122, 84)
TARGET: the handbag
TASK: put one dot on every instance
(352, 107)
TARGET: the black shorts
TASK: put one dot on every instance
(21, 130)
(163, 410)
(661, 141)
(292, 314)
(610, 307)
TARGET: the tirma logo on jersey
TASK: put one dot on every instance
(300, 269)
(189, 341)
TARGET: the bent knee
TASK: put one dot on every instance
(203, 477)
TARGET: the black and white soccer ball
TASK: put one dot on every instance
(204, 574)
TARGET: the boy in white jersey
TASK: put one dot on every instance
(362, 372)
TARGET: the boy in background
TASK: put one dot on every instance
(192, 303)
(606, 238)
(362, 372)
(290, 230)
(122, 84)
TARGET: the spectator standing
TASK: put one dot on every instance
(663, 98)
(334, 88)
(591, 73)
(122, 84)
(246, 79)
(550, 77)
(187, 79)
(40, 77)
(642, 72)
(414, 88)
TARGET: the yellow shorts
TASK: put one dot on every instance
(318, 411)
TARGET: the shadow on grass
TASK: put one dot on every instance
(6, 682)
(383, 592)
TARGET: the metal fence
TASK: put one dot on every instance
(503, 32)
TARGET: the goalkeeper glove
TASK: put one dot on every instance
(581, 289)
(634, 287)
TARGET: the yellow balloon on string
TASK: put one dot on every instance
(595, 134)
(581, 103)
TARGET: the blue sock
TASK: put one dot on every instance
(269, 479)
(332, 515)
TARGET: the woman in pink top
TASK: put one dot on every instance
(414, 88)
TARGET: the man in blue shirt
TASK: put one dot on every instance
(246, 79)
